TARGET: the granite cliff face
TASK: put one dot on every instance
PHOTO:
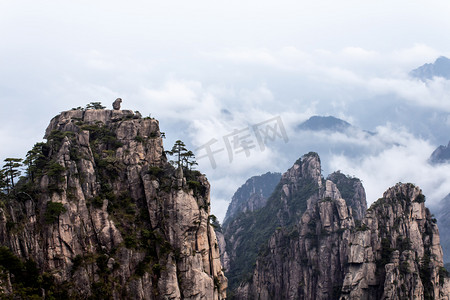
(105, 216)
(334, 248)
(305, 259)
(244, 235)
(396, 253)
(352, 191)
(298, 192)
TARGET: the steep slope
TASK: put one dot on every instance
(247, 235)
(103, 215)
(252, 195)
(393, 253)
(396, 254)
(308, 260)
(352, 191)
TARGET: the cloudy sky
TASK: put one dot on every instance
(205, 69)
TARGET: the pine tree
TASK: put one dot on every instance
(31, 159)
(95, 105)
(188, 160)
(178, 149)
(10, 169)
(184, 157)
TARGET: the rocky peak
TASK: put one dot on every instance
(108, 217)
(396, 253)
(352, 192)
(299, 186)
(301, 197)
(66, 121)
(406, 192)
(308, 166)
(328, 123)
(441, 68)
(305, 260)
(311, 168)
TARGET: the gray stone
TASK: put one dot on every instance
(116, 104)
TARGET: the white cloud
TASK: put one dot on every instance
(354, 71)
(432, 93)
(358, 53)
(415, 56)
(205, 68)
(405, 161)
(258, 56)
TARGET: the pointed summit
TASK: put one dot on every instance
(440, 155)
(328, 123)
(440, 68)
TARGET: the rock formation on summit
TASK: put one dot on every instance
(116, 104)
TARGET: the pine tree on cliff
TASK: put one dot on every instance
(188, 160)
(31, 159)
(95, 105)
(184, 158)
(10, 169)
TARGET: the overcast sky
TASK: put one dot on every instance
(206, 68)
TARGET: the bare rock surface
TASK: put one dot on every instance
(126, 228)
(392, 253)
(326, 245)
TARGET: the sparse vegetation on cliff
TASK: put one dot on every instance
(96, 209)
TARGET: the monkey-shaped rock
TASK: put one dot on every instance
(116, 103)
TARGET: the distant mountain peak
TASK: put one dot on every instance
(441, 154)
(320, 123)
(440, 68)
(442, 59)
